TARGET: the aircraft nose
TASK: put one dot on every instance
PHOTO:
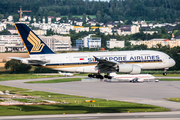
(172, 62)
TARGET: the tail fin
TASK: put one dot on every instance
(34, 45)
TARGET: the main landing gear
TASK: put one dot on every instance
(164, 73)
(135, 80)
(95, 76)
(99, 76)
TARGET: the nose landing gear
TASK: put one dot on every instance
(164, 73)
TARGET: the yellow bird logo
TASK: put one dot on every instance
(37, 45)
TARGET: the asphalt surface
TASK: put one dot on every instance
(104, 116)
(147, 93)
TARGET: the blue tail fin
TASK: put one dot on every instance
(32, 42)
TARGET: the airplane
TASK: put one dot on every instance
(132, 78)
(66, 74)
(95, 63)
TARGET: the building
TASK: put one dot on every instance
(39, 32)
(11, 39)
(80, 29)
(154, 43)
(10, 18)
(2, 46)
(128, 29)
(150, 32)
(12, 30)
(91, 42)
(114, 43)
(57, 43)
(12, 42)
(2, 26)
(94, 42)
(79, 43)
(49, 41)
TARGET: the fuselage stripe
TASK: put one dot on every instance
(82, 63)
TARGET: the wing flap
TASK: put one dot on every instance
(31, 61)
(105, 66)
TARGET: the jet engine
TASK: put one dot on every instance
(129, 68)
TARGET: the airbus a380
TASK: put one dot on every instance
(95, 63)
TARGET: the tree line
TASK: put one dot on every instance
(149, 10)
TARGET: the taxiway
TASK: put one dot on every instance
(152, 93)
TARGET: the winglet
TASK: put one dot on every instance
(33, 44)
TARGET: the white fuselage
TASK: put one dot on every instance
(85, 63)
(128, 77)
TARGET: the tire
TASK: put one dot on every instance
(164, 73)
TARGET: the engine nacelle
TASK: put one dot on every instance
(128, 68)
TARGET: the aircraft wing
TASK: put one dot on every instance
(105, 66)
(16, 58)
(30, 61)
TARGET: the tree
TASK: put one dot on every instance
(128, 22)
(6, 15)
(98, 16)
(37, 18)
(5, 32)
(52, 13)
(32, 18)
(164, 30)
(84, 19)
(44, 70)
(105, 18)
(17, 67)
(127, 43)
(16, 17)
(46, 18)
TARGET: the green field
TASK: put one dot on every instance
(4, 77)
(173, 99)
(164, 79)
(168, 75)
(11, 89)
(57, 80)
(76, 104)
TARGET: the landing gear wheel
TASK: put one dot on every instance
(164, 73)
(109, 77)
(90, 75)
(106, 76)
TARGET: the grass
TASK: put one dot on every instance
(173, 99)
(11, 89)
(76, 105)
(170, 79)
(5, 77)
(168, 75)
(57, 80)
(82, 74)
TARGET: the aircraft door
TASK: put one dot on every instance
(70, 58)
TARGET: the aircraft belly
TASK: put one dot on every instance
(85, 69)
(152, 66)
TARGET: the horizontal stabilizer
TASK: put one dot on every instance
(16, 58)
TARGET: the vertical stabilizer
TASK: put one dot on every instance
(32, 42)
